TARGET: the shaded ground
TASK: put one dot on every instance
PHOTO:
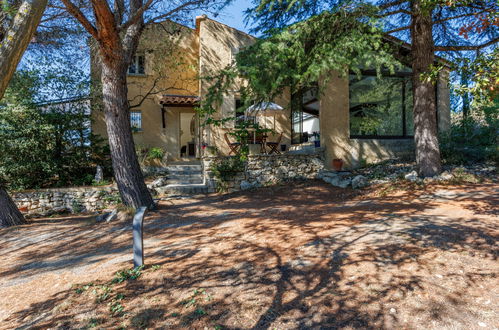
(304, 255)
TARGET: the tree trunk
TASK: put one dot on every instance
(17, 38)
(126, 167)
(9, 213)
(425, 115)
(12, 46)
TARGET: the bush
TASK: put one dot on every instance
(225, 169)
(474, 139)
(48, 147)
(156, 153)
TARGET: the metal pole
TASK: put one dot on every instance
(138, 238)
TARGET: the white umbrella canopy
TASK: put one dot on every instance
(264, 109)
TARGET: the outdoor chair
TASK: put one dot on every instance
(234, 146)
(275, 145)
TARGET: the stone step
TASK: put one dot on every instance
(183, 189)
(182, 174)
(185, 180)
(186, 168)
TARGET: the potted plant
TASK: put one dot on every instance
(317, 139)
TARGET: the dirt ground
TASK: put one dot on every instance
(296, 256)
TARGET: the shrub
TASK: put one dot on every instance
(226, 168)
(473, 139)
(155, 153)
(48, 147)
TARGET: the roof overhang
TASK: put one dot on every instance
(169, 100)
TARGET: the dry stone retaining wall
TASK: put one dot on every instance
(262, 170)
(47, 201)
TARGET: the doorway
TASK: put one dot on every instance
(187, 134)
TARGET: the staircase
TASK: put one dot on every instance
(184, 179)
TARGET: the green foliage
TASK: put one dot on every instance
(128, 274)
(297, 57)
(473, 139)
(46, 144)
(148, 155)
(484, 72)
(155, 267)
(156, 153)
(226, 168)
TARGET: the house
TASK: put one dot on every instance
(360, 120)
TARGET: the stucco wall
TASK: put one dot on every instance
(335, 127)
(218, 42)
(171, 60)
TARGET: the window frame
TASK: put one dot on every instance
(405, 135)
(135, 65)
(135, 129)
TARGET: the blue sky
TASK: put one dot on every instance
(233, 15)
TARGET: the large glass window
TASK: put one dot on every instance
(381, 107)
(305, 115)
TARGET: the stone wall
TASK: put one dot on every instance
(263, 170)
(79, 199)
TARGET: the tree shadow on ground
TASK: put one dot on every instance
(309, 256)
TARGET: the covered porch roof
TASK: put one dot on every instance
(170, 100)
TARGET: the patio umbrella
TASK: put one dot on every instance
(264, 109)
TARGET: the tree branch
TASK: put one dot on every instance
(173, 11)
(458, 16)
(407, 27)
(391, 4)
(78, 14)
(136, 16)
(456, 48)
(107, 31)
(119, 9)
(398, 11)
(17, 38)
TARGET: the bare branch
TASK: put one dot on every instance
(119, 9)
(136, 16)
(407, 27)
(176, 10)
(391, 4)
(458, 16)
(398, 11)
(450, 48)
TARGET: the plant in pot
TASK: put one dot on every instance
(317, 139)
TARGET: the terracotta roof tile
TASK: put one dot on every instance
(179, 100)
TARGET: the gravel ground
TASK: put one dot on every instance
(301, 255)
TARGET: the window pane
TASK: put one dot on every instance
(136, 120)
(376, 106)
(141, 65)
(133, 67)
(409, 117)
